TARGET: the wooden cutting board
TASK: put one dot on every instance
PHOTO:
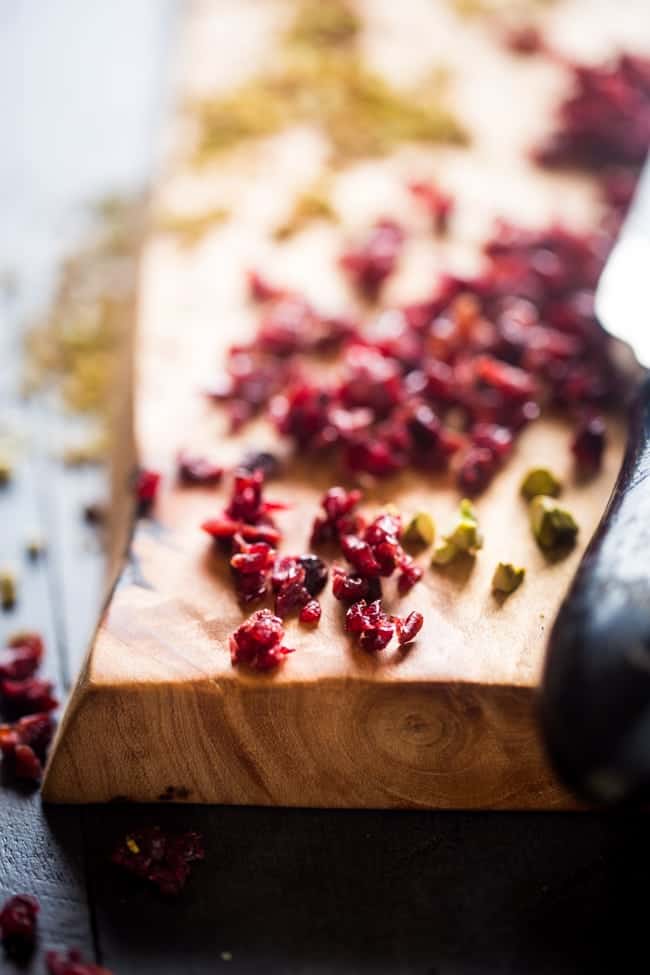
(159, 712)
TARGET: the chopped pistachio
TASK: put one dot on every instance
(420, 530)
(8, 587)
(76, 348)
(319, 77)
(189, 228)
(464, 537)
(318, 24)
(552, 525)
(35, 546)
(444, 552)
(312, 205)
(507, 577)
(540, 480)
(6, 469)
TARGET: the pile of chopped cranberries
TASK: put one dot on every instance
(247, 532)
(28, 701)
(159, 857)
(257, 643)
(374, 629)
(445, 384)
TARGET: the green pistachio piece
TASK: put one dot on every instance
(7, 588)
(540, 480)
(420, 529)
(35, 546)
(466, 535)
(444, 552)
(6, 470)
(507, 577)
(551, 524)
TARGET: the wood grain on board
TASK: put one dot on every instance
(450, 723)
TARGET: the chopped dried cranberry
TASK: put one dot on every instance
(340, 517)
(254, 558)
(588, 444)
(438, 205)
(146, 489)
(27, 765)
(315, 573)
(24, 745)
(310, 612)
(371, 261)
(349, 588)
(410, 574)
(606, 118)
(360, 555)
(257, 643)
(193, 469)
(408, 629)
(524, 39)
(226, 528)
(162, 858)
(476, 470)
(262, 290)
(261, 460)
(22, 656)
(373, 628)
(18, 925)
(27, 696)
(71, 963)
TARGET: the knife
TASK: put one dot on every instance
(595, 692)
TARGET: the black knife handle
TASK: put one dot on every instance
(595, 694)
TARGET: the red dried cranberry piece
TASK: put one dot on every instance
(370, 262)
(304, 414)
(18, 925)
(370, 380)
(408, 629)
(261, 460)
(311, 612)
(605, 119)
(524, 39)
(373, 628)
(378, 637)
(439, 205)
(27, 765)
(349, 588)
(146, 489)
(161, 858)
(71, 963)
(360, 555)
(226, 528)
(340, 517)
(315, 573)
(262, 290)
(27, 696)
(476, 470)
(24, 744)
(588, 444)
(511, 382)
(410, 574)
(193, 469)
(257, 642)
(255, 558)
(22, 656)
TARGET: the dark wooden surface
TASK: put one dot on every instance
(281, 891)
